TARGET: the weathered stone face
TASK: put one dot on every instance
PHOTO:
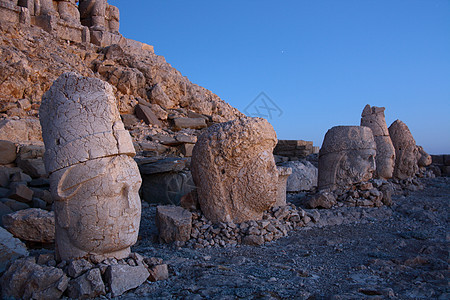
(347, 157)
(93, 179)
(373, 117)
(234, 170)
(406, 152)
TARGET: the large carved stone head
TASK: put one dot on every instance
(93, 177)
(347, 157)
(373, 117)
(234, 170)
(406, 152)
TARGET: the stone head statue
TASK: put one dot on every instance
(347, 157)
(373, 117)
(406, 151)
(234, 170)
(93, 178)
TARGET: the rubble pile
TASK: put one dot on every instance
(42, 277)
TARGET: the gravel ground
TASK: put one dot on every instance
(398, 252)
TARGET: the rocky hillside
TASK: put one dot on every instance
(31, 59)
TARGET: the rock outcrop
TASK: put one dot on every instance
(234, 170)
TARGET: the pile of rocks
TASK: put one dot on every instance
(23, 182)
(193, 229)
(42, 277)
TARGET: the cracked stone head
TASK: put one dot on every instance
(347, 157)
(98, 207)
(406, 151)
(93, 178)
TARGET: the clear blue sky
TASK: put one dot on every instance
(319, 61)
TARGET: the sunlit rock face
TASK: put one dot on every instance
(93, 178)
(347, 157)
(373, 117)
(234, 170)
(406, 152)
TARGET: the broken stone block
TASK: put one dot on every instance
(11, 249)
(88, 285)
(78, 267)
(121, 278)
(159, 272)
(253, 240)
(4, 210)
(25, 279)
(33, 167)
(153, 165)
(166, 188)
(13, 204)
(21, 193)
(322, 199)
(174, 223)
(7, 152)
(33, 224)
(303, 177)
(283, 174)
(186, 149)
(158, 96)
(21, 177)
(146, 114)
(193, 123)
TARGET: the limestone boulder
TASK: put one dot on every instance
(33, 224)
(321, 199)
(303, 177)
(20, 130)
(11, 249)
(7, 152)
(174, 223)
(121, 278)
(88, 285)
(234, 170)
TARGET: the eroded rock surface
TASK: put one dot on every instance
(234, 170)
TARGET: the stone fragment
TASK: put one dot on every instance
(93, 179)
(25, 279)
(129, 120)
(4, 210)
(159, 111)
(14, 205)
(7, 152)
(283, 175)
(146, 114)
(373, 117)
(10, 249)
(20, 177)
(347, 157)
(186, 149)
(121, 278)
(234, 170)
(21, 193)
(184, 138)
(253, 240)
(159, 272)
(193, 123)
(77, 267)
(158, 96)
(88, 285)
(33, 224)
(190, 201)
(167, 187)
(155, 165)
(33, 167)
(20, 130)
(303, 178)
(406, 152)
(321, 200)
(174, 223)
